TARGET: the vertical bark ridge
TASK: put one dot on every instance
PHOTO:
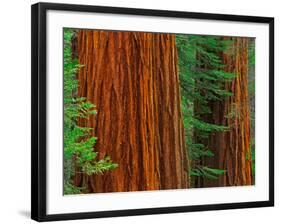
(132, 78)
(232, 148)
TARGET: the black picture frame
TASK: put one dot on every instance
(38, 108)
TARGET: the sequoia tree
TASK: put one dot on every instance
(132, 78)
(232, 147)
(202, 82)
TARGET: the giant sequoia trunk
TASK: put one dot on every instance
(232, 148)
(132, 79)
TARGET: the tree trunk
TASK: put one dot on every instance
(232, 148)
(132, 78)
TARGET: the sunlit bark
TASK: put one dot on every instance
(132, 78)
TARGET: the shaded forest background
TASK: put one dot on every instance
(150, 111)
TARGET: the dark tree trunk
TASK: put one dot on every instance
(232, 148)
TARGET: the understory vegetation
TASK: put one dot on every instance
(203, 78)
(79, 143)
(211, 84)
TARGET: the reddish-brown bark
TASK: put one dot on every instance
(232, 148)
(132, 79)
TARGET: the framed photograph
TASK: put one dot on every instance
(139, 111)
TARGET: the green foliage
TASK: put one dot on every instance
(207, 172)
(251, 91)
(98, 167)
(202, 80)
(79, 143)
(71, 189)
(253, 154)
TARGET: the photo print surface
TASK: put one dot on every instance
(157, 111)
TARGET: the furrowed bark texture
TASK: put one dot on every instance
(232, 148)
(132, 79)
